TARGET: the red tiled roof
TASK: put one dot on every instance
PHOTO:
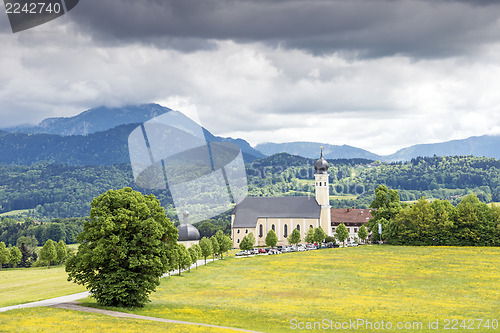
(350, 215)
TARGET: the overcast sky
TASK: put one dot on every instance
(375, 74)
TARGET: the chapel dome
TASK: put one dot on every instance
(187, 232)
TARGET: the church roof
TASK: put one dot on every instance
(251, 208)
(350, 215)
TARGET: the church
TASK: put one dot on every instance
(258, 215)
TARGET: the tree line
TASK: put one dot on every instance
(469, 223)
(57, 229)
(26, 254)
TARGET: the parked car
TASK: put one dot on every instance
(274, 251)
(332, 245)
(242, 253)
(301, 249)
(262, 251)
(352, 244)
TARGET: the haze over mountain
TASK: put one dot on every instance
(93, 120)
(97, 136)
(486, 145)
(312, 150)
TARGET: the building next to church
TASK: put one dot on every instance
(352, 218)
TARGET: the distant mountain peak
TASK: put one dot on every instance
(95, 120)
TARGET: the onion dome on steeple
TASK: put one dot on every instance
(321, 165)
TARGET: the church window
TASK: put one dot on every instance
(246, 231)
(238, 240)
(310, 226)
(272, 227)
(285, 231)
(238, 231)
(355, 229)
(261, 230)
(298, 227)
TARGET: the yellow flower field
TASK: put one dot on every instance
(58, 320)
(415, 288)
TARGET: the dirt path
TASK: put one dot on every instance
(76, 307)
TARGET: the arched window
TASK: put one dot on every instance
(285, 231)
(272, 227)
(310, 226)
(261, 230)
(238, 231)
(246, 231)
(238, 240)
(298, 227)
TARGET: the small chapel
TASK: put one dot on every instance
(258, 215)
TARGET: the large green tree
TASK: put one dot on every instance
(15, 256)
(341, 233)
(184, 258)
(294, 237)
(206, 248)
(62, 251)
(246, 244)
(4, 254)
(271, 238)
(193, 253)
(319, 236)
(309, 236)
(386, 206)
(215, 246)
(48, 252)
(224, 241)
(124, 248)
(363, 233)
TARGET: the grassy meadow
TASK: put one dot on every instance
(24, 285)
(58, 320)
(371, 283)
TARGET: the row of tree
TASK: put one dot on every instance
(313, 235)
(469, 223)
(25, 254)
(58, 229)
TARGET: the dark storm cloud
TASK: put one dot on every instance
(367, 28)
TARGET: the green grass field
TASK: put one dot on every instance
(407, 285)
(370, 283)
(15, 212)
(26, 285)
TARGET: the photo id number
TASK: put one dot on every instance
(32, 8)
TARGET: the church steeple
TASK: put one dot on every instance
(323, 192)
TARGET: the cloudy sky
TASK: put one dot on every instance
(375, 74)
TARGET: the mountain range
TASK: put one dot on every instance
(99, 136)
(486, 145)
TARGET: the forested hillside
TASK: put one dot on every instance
(66, 191)
(48, 191)
(353, 181)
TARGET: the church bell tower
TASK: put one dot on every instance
(323, 193)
